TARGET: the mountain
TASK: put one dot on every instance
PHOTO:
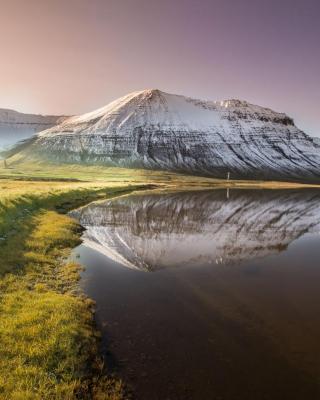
(191, 229)
(15, 126)
(157, 130)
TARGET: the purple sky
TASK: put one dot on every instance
(72, 56)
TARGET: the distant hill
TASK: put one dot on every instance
(16, 126)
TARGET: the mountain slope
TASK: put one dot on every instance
(153, 129)
(15, 126)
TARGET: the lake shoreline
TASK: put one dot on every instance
(35, 269)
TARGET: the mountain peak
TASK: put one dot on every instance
(153, 91)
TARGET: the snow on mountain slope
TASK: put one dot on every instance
(153, 129)
(155, 231)
(15, 126)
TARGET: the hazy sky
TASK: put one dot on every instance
(72, 56)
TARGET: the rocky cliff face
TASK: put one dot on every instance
(15, 126)
(153, 129)
(151, 232)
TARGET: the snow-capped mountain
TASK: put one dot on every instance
(16, 126)
(155, 231)
(153, 129)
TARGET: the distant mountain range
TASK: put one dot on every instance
(16, 126)
(157, 130)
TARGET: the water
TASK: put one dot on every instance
(208, 295)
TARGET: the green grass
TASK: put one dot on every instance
(48, 342)
(19, 167)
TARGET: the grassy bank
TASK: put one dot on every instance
(48, 342)
(20, 168)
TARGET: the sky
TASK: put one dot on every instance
(73, 56)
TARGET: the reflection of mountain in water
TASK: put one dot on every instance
(155, 231)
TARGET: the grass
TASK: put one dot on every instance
(48, 342)
(21, 168)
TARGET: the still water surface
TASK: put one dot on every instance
(208, 295)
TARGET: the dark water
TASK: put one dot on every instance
(208, 295)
